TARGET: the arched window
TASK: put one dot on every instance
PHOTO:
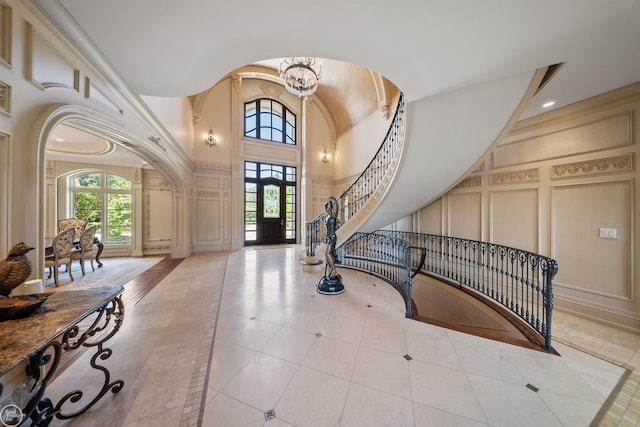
(269, 120)
(104, 200)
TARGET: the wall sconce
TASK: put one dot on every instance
(210, 139)
(325, 157)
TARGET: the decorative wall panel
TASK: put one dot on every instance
(472, 181)
(515, 177)
(270, 151)
(212, 212)
(622, 163)
(6, 34)
(5, 192)
(430, 218)
(514, 218)
(592, 241)
(208, 220)
(46, 67)
(465, 215)
(606, 132)
(5, 99)
(94, 93)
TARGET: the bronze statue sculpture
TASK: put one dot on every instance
(331, 282)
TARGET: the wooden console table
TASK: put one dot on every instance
(31, 348)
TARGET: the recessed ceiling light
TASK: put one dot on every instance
(548, 104)
(59, 139)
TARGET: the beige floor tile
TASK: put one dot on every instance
(372, 408)
(382, 371)
(313, 399)
(332, 357)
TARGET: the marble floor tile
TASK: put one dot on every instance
(225, 411)
(254, 334)
(290, 344)
(313, 399)
(506, 404)
(569, 411)
(445, 389)
(382, 371)
(227, 360)
(384, 338)
(332, 357)
(343, 329)
(434, 347)
(261, 382)
(285, 356)
(427, 416)
(372, 408)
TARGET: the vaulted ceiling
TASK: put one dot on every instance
(425, 48)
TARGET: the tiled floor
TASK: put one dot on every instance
(284, 355)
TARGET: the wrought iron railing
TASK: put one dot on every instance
(386, 257)
(352, 199)
(519, 280)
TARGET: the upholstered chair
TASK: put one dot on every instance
(84, 251)
(62, 247)
(78, 224)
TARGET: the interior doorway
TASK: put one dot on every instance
(269, 204)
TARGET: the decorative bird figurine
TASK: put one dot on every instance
(15, 269)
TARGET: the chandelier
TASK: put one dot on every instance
(300, 74)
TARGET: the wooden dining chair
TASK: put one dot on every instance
(78, 224)
(84, 250)
(62, 247)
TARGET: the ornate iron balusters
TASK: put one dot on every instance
(519, 280)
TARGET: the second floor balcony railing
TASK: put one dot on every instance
(518, 280)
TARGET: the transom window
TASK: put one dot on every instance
(104, 200)
(269, 120)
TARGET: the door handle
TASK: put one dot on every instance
(282, 222)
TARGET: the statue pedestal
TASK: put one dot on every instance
(330, 285)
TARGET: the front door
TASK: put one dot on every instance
(271, 218)
(270, 204)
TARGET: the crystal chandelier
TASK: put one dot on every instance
(300, 74)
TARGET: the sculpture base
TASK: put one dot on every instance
(330, 285)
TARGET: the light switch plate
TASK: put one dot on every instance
(608, 233)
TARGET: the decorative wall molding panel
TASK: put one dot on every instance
(515, 177)
(5, 99)
(271, 151)
(577, 224)
(46, 67)
(92, 92)
(465, 215)
(6, 34)
(271, 91)
(472, 181)
(214, 166)
(5, 192)
(575, 138)
(522, 204)
(622, 163)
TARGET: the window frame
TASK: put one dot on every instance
(106, 193)
(262, 119)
